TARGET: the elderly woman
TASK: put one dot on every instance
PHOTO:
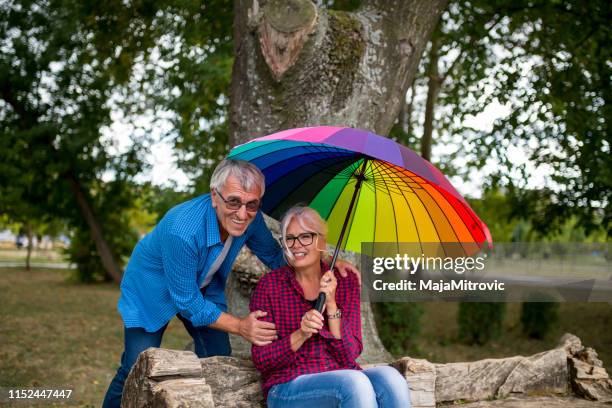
(312, 363)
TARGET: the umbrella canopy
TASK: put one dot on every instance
(400, 197)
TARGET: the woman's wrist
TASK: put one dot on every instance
(331, 308)
(302, 335)
(297, 339)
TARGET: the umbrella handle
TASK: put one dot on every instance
(360, 177)
(320, 302)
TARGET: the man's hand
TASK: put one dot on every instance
(345, 268)
(258, 332)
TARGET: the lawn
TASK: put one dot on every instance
(592, 322)
(37, 256)
(60, 334)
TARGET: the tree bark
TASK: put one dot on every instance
(106, 256)
(433, 90)
(296, 65)
(352, 69)
(405, 114)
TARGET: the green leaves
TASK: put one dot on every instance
(195, 46)
(66, 66)
(59, 71)
(548, 63)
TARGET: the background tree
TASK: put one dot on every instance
(59, 68)
(186, 81)
(17, 205)
(543, 62)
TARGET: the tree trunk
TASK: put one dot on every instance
(296, 65)
(435, 82)
(30, 246)
(405, 114)
(106, 256)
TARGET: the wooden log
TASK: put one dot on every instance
(588, 377)
(541, 373)
(421, 377)
(153, 366)
(536, 402)
(182, 393)
(234, 382)
(178, 378)
(582, 370)
(599, 390)
(472, 381)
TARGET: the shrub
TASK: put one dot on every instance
(398, 325)
(480, 322)
(538, 318)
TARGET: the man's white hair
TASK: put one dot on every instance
(307, 218)
(246, 173)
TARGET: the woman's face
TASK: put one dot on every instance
(306, 245)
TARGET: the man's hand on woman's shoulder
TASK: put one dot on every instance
(345, 268)
(258, 332)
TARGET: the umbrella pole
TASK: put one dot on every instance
(360, 177)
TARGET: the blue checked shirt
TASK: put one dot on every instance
(169, 264)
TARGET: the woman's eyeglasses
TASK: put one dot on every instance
(305, 239)
(234, 203)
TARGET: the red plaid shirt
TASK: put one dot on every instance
(279, 293)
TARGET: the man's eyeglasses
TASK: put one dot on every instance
(305, 239)
(234, 203)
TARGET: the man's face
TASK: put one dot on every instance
(234, 222)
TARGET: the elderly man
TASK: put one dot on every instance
(180, 269)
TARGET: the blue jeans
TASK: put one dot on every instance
(208, 342)
(381, 386)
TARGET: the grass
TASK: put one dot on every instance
(60, 334)
(592, 322)
(37, 256)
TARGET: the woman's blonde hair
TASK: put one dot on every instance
(307, 218)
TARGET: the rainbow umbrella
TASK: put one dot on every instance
(368, 188)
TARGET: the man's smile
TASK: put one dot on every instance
(238, 221)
